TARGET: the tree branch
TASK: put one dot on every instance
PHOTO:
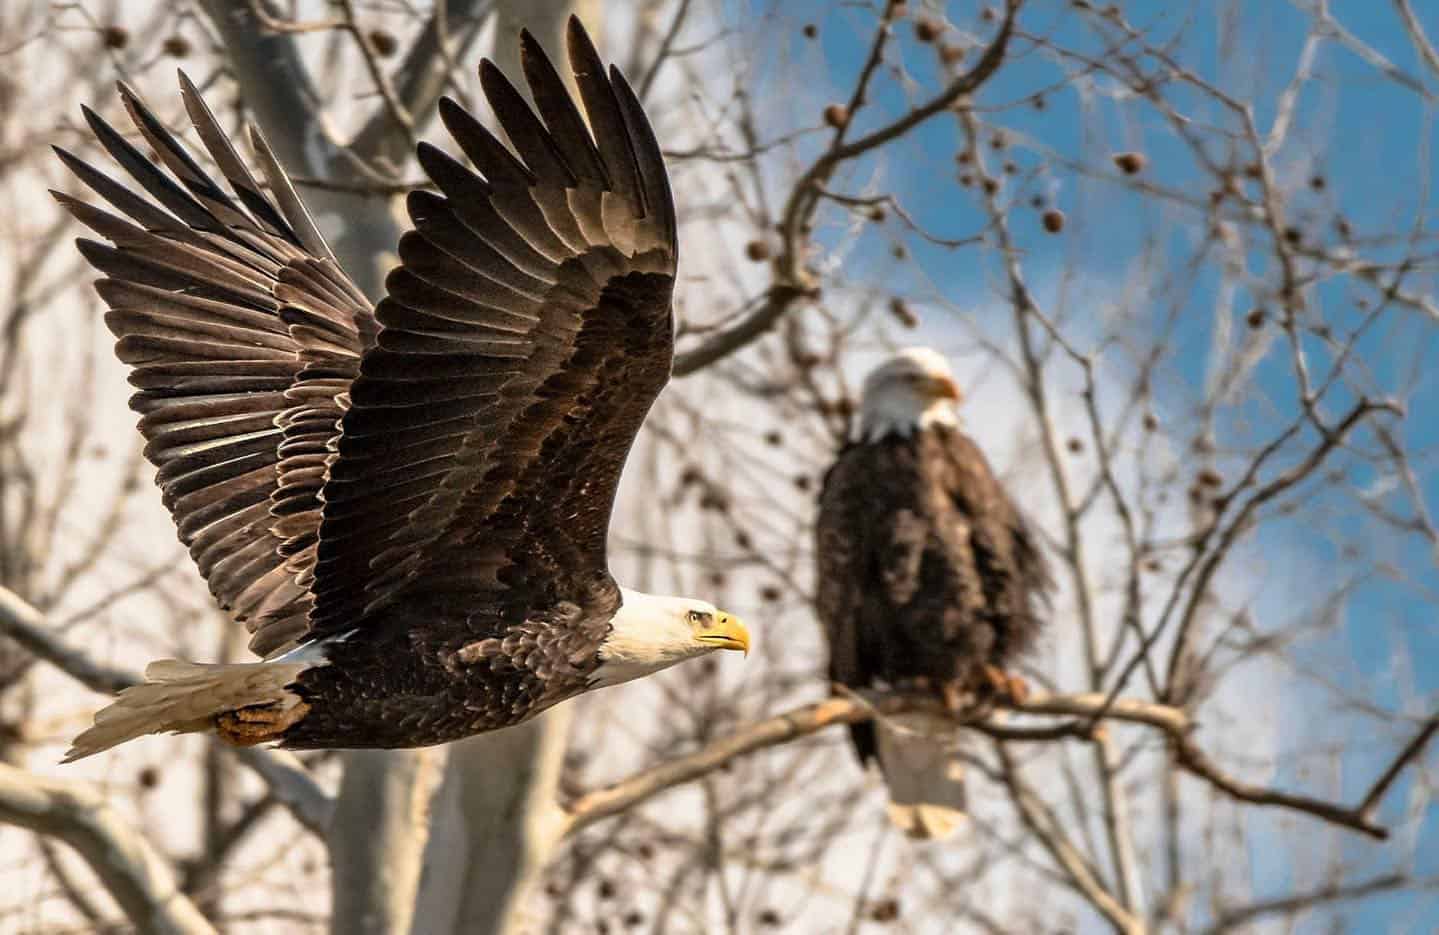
(792, 282)
(140, 880)
(282, 771)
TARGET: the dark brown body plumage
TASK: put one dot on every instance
(423, 487)
(926, 569)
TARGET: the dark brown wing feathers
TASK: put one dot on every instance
(319, 459)
(229, 317)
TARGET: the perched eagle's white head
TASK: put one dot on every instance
(913, 389)
(650, 632)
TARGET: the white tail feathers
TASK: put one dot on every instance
(924, 774)
(181, 697)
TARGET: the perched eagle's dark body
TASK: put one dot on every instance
(406, 503)
(927, 572)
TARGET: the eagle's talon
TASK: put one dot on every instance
(955, 698)
(995, 679)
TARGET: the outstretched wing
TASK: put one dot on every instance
(523, 340)
(242, 333)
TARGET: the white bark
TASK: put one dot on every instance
(496, 824)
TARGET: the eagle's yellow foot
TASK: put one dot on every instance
(1006, 686)
(246, 727)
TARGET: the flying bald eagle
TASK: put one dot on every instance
(929, 580)
(407, 505)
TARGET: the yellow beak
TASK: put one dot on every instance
(728, 632)
(945, 388)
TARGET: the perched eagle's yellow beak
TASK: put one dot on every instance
(727, 632)
(944, 388)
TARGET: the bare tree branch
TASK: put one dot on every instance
(140, 880)
(288, 779)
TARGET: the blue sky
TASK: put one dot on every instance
(1359, 148)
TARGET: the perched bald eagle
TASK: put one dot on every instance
(406, 505)
(929, 579)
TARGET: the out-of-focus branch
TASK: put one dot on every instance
(1045, 826)
(26, 626)
(417, 84)
(1238, 919)
(140, 879)
(287, 778)
(813, 718)
(792, 282)
(276, 85)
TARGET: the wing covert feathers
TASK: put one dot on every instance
(242, 334)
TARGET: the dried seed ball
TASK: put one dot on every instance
(802, 482)
(742, 540)
(884, 910)
(115, 37)
(951, 54)
(988, 15)
(1293, 236)
(770, 594)
(384, 44)
(1038, 102)
(772, 437)
(876, 214)
(691, 475)
(1130, 163)
(634, 919)
(1210, 478)
(176, 46)
(991, 186)
(836, 116)
(757, 251)
(810, 30)
(1053, 220)
(927, 28)
(148, 777)
(769, 917)
(900, 309)
(1075, 445)
(1151, 422)
(1318, 183)
(1255, 318)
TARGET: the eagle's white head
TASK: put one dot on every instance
(913, 389)
(651, 632)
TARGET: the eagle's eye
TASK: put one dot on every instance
(698, 618)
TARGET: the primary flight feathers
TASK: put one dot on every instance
(411, 499)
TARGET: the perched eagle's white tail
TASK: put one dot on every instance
(925, 776)
(181, 697)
